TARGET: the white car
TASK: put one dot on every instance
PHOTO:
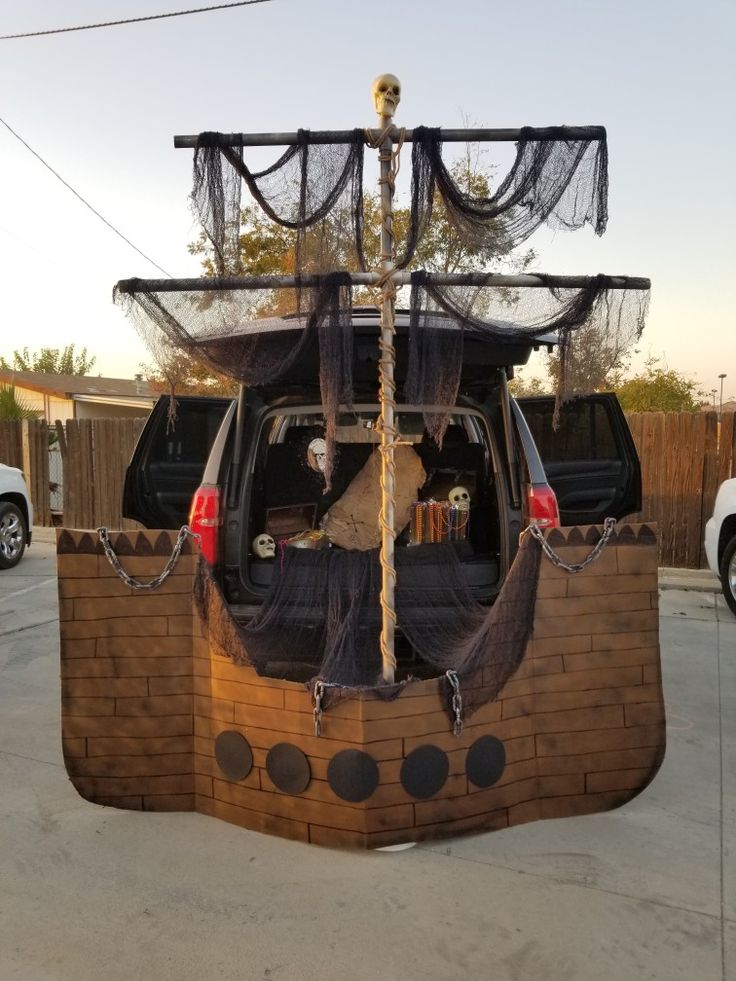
(16, 516)
(720, 540)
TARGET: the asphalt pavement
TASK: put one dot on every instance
(644, 892)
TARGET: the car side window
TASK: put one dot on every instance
(585, 433)
(191, 435)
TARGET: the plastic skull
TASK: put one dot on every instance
(386, 94)
(317, 454)
(264, 546)
(460, 497)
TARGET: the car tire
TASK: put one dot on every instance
(728, 574)
(13, 535)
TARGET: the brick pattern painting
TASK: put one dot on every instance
(154, 717)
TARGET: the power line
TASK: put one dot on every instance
(131, 20)
(84, 202)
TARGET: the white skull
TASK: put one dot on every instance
(317, 454)
(460, 498)
(264, 546)
(386, 95)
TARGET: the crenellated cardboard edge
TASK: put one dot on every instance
(72, 541)
(143, 544)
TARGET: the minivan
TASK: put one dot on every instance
(238, 468)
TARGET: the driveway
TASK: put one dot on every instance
(644, 892)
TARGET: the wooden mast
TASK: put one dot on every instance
(386, 398)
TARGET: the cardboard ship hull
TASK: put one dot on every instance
(155, 718)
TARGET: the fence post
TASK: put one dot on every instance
(35, 466)
(710, 478)
(26, 464)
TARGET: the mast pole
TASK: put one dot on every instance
(386, 395)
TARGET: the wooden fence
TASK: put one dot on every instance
(684, 457)
(25, 444)
(95, 454)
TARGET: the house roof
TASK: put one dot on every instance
(68, 386)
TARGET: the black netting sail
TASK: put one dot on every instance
(316, 189)
(607, 314)
(218, 324)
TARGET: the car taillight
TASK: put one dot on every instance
(204, 519)
(542, 505)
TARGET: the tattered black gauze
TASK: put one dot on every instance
(322, 618)
(556, 180)
(217, 327)
(309, 183)
(442, 316)
(319, 186)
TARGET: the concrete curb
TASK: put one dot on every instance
(696, 580)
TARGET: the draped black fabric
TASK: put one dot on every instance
(313, 185)
(501, 315)
(322, 617)
(554, 179)
(216, 326)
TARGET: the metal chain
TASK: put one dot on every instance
(457, 702)
(536, 532)
(319, 694)
(112, 558)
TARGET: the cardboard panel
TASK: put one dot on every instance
(579, 728)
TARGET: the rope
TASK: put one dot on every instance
(387, 385)
(114, 561)
(609, 526)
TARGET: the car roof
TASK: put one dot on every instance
(481, 357)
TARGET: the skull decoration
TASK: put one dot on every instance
(460, 498)
(386, 95)
(264, 546)
(317, 454)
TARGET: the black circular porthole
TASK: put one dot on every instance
(288, 768)
(486, 761)
(353, 775)
(424, 772)
(233, 755)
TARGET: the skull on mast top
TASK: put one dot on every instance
(386, 95)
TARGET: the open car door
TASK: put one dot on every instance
(591, 460)
(169, 459)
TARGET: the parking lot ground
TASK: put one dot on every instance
(644, 892)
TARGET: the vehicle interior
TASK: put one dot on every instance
(288, 497)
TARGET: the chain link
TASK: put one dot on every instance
(457, 702)
(184, 533)
(535, 531)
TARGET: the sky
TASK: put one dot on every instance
(102, 108)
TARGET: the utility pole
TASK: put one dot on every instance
(720, 403)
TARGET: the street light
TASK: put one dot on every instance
(720, 406)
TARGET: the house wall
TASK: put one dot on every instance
(99, 410)
(49, 407)
(52, 408)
